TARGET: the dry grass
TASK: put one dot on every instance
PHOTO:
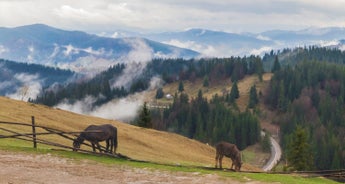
(135, 142)
(222, 87)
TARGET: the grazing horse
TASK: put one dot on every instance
(96, 134)
(231, 151)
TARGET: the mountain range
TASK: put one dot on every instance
(224, 44)
(84, 52)
(76, 50)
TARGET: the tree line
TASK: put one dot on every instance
(310, 97)
(208, 121)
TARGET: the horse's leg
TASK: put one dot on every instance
(107, 146)
(93, 147)
(99, 147)
(217, 159)
(112, 145)
(220, 161)
(232, 164)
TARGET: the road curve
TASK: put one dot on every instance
(276, 154)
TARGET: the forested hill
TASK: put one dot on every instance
(108, 86)
(14, 74)
(310, 98)
(293, 56)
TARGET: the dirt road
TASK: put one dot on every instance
(276, 154)
(20, 168)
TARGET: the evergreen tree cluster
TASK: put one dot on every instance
(210, 122)
(97, 86)
(210, 69)
(294, 56)
(312, 95)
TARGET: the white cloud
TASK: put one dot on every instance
(140, 52)
(329, 43)
(239, 16)
(70, 50)
(265, 38)
(3, 49)
(261, 51)
(89, 65)
(124, 109)
(30, 87)
(83, 106)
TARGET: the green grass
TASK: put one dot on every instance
(26, 147)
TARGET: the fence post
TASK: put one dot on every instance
(33, 132)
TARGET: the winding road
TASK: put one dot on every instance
(276, 154)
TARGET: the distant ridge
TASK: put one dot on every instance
(42, 44)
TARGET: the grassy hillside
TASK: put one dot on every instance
(135, 142)
(221, 87)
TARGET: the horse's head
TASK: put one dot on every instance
(238, 167)
(76, 145)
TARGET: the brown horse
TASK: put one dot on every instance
(96, 134)
(231, 151)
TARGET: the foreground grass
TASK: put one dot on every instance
(25, 147)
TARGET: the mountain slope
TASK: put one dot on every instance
(135, 142)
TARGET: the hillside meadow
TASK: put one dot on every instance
(134, 142)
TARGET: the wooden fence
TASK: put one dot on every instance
(33, 137)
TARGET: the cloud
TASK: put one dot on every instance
(261, 37)
(124, 109)
(88, 65)
(140, 52)
(261, 51)
(29, 89)
(83, 106)
(132, 71)
(156, 82)
(329, 43)
(206, 50)
(31, 50)
(3, 49)
(135, 60)
(150, 15)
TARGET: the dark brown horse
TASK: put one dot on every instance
(231, 151)
(96, 134)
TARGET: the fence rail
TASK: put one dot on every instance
(32, 137)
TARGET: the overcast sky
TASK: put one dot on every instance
(174, 15)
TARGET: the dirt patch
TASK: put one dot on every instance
(37, 168)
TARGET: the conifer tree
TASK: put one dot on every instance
(276, 65)
(299, 155)
(206, 82)
(159, 93)
(180, 86)
(145, 117)
(253, 97)
(234, 93)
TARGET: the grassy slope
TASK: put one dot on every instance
(135, 142)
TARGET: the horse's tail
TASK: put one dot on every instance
(115, 139)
